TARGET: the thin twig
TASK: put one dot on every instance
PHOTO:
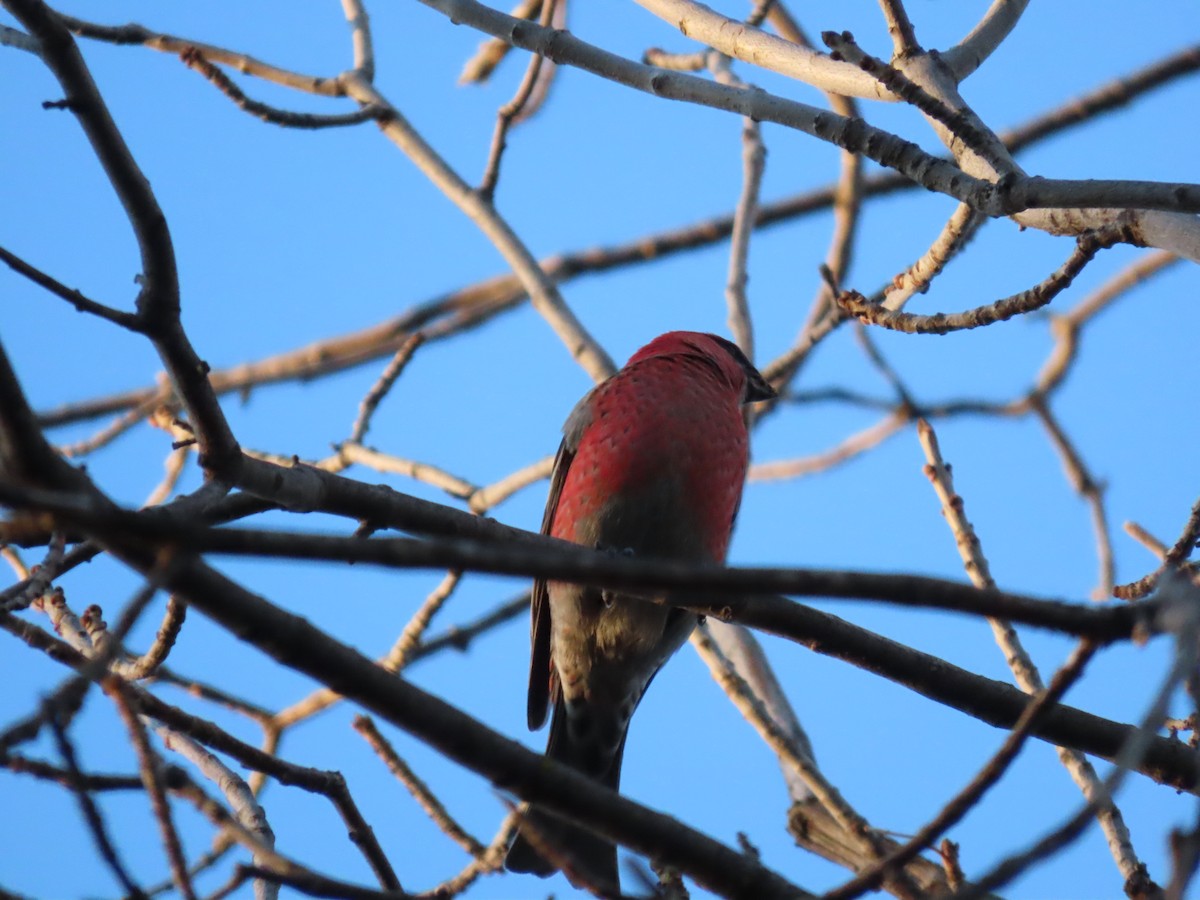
(379, 390)
(491, 495)
(169, 43)
(543, 294)
(351, 452)
(519, 108)
(459, 637)
(754, 155)
(72, 296)
(1084, 484)
(90, 781)
(395, 660)
(490, 862)
(854, 445)
(421, 793)
(1086, 247)
(156, 654)
(194, 58)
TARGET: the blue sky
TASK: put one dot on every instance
(286, 237)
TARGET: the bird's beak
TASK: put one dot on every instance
(758, 389)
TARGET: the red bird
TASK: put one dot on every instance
(651, 464)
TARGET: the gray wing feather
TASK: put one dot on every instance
(541, 673)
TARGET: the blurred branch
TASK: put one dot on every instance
(479, 68)
(847, 205)
(852, 446)
(91, 812)
(90, 781)
(754, 157)
(150, 767)
(1110, 96)
(1176, 555)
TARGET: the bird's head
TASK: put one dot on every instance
(724, 355)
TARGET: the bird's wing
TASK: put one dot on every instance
(541, 672)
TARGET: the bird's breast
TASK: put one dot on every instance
(658, 468)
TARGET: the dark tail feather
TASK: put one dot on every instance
(592, 855)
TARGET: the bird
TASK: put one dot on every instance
(651, 465)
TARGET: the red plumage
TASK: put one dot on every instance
(652, 464)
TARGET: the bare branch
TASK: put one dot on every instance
(1024, 671)
(433, 807)
(542, 293)
(754, 155)
(855, 828)
(491, 53)
(74, 297)
(360, 31)
(851, 447)
(998, 311)
(1132, 749)
(1000, 19)
(987, 777)
(194, 59)
(379, 390)
(749, 44)
(520, 106)
(904, 38)
(168, 43)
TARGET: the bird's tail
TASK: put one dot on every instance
(588, 752)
